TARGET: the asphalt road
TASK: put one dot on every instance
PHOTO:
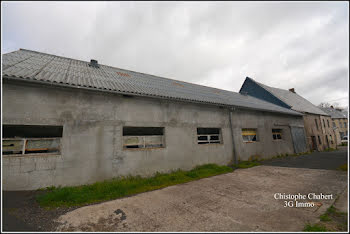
(14, 201)
(316, 160)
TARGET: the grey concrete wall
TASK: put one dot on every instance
(265, 146)
(92, 135)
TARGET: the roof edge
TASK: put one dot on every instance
(45, 83)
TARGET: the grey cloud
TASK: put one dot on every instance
(283, 44)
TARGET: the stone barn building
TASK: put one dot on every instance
(69, 122)
(319, 131)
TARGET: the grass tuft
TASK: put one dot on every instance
(314, 228)
(247, 164)
(325, 217)
(329, 150)
(343, 167)
(123, 186)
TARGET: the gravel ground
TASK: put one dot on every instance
(21, 212)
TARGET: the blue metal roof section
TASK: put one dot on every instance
(285, 97)
(32, 66)
(251, 88)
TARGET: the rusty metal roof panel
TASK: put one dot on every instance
(32, 65)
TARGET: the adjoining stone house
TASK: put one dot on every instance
(318, 124)
(339, 122)
(70, 122)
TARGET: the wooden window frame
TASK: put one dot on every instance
(251, 132)
(279, 133)
(143, 142)
(209, 140)
(26, 149)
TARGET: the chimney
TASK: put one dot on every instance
(292, 90)
(94, 63)
(332, 107)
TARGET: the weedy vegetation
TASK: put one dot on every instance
(124, 186)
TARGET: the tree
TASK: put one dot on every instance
(335, 105)
(324, 104)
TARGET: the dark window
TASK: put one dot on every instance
(208, 136)
(333, 124)
(143, 137)
(31, 131)
(277, 134)
(316, 124)
(319, 140)
(324, 125)
(208, 131)
(328, 122)
(143, 131)
(29, 139)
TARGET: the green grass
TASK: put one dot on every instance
(247, 164)
(331, 220)
(314, 228)
(329, 149)
(343, 167)
(331, 210)
(325, 217)
(344, 144)
(124, 186)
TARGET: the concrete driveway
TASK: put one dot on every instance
(238, 201)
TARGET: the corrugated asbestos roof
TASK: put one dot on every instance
(297, 102)
(36, 66)
(335, 114)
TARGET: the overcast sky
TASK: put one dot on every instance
(282, 44)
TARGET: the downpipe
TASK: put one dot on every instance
(235, 162)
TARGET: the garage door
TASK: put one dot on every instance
(299, 139)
